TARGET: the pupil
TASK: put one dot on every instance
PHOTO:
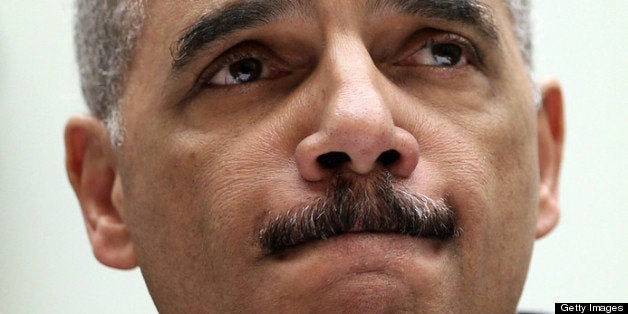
(246, 70)
(447, 54)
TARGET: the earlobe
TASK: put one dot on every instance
(89, 163)
(550, 140)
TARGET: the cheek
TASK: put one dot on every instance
(165, 219)
(175, 210)
(512, 155)
(492, 178)
(206, 193)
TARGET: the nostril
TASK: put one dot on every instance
(332, 159)
(389, 157)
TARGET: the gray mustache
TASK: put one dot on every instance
(353, 205)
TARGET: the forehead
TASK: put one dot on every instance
(171, 14)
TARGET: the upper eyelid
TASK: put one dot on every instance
(236, 53)
(476, 54)
(234, 57)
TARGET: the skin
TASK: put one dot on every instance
(197, 175)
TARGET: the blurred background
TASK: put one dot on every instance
(46, 264)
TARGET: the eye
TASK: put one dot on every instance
(447, 52)
(444, 55)
(439, 54)
(240, 71)
(244, 63)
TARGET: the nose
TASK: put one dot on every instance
(356, 130)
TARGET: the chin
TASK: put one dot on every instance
(364, 273)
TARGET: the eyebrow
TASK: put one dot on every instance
(219, 23)
(242, 15)
(467, 12)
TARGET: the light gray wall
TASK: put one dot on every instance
(585, 259)
(46, 264)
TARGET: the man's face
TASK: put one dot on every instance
(223, 134)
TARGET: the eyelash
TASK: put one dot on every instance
(469, 50)
(225, 61)
(466, 45)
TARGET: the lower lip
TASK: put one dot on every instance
(362, 259)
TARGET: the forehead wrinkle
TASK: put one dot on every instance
(469, 12)
(218, 23)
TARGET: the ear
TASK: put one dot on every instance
(551, 134)
(89, 163)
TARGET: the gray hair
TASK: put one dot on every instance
(520, 13)
(106, 33)
(105, 37)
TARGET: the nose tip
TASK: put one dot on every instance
(319, 157)
(355, 128)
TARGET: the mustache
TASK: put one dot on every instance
(352, 205)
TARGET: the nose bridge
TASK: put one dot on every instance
(351, 74)
(356, 128)
(353, 90)
(357, 119)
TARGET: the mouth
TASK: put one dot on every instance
(282, 245)
(372, 206)
(363, 242)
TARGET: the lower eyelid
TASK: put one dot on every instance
(268, 73)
